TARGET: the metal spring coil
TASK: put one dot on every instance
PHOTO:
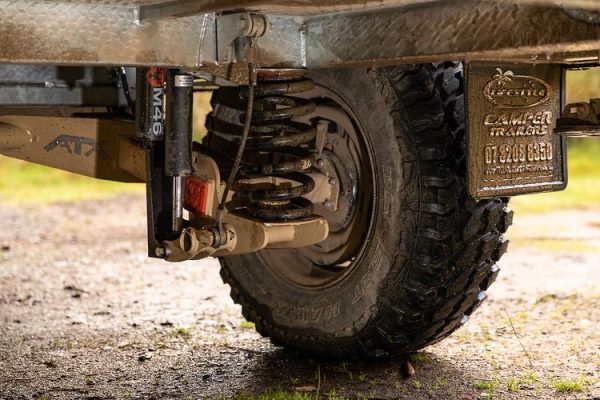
(276, 148)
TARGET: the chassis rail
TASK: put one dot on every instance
(194, 35)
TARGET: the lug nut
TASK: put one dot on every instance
(332, 181)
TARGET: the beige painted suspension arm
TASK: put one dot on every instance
(105, 149)
(97, 147)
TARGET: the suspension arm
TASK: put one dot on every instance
(99, 147)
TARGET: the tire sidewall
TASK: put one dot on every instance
(347, 307)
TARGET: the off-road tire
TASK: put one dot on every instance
(432, 252)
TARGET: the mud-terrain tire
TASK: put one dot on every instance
(431, 252)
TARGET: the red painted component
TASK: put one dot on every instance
(156, 77)
(195, 199)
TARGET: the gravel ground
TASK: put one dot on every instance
(84, 314)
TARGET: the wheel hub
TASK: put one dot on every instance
(343, 168)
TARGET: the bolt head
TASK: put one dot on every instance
(206, 238)
(333, 181)
(160, 252)
(321, 163)
(327, 204)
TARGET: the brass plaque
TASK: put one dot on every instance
(511, 115)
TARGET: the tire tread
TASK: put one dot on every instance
(460, 239)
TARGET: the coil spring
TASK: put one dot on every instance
(276, 147)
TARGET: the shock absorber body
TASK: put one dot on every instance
(273, 177)
(178, 137)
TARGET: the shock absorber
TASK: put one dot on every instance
(272, 179)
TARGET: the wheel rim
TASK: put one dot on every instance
(347, 160)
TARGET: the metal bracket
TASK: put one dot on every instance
(512, 111)
(580, 119)
(233, 29)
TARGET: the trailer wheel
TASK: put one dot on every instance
(410, 255)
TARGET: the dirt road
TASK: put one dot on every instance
(84, 314)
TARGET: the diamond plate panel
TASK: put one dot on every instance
(145, 32)
(448, 31)
(106, 32)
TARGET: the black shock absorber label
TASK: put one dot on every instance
(150, 94)
(511, 117)
(156, 79)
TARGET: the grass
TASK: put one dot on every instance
(512, 385)
(334, 395)
(530, 377)
(181, 332)
(485, 385)
(247, 325)
(569, 385)
(276, 395)
(26, 183)
(582, 85)
(440, 382)
(419, 357)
